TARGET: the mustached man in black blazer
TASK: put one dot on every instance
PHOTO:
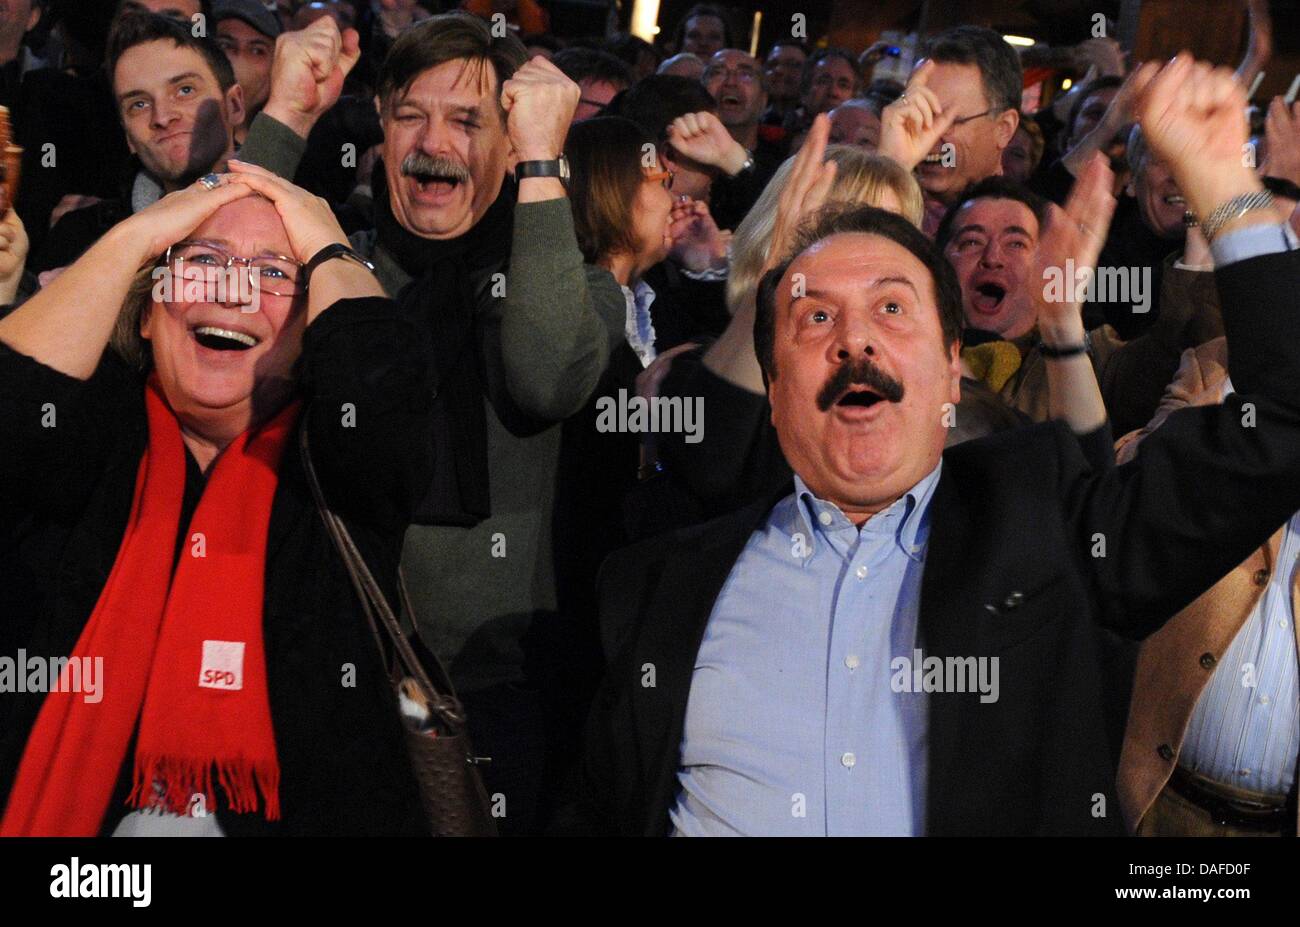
(1021, 558)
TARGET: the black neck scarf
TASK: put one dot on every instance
(450, 279)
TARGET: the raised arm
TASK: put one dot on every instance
(307, 77)
(547, 342)
(1118, 115)
(1212, 483)
(732, 356)
(1073, 233)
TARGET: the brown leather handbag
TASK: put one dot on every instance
(451, 790)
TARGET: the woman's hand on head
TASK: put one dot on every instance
(308, 220)
(154, 229)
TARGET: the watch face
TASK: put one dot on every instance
(564, 168)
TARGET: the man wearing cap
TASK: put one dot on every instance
(246, 32)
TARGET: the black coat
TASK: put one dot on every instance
(65, 494)
(1010, 572)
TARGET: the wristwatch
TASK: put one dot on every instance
(556, 167)
(328, 253)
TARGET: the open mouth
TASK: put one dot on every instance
(988, 297)
(223, 339)
(729, 99)
(1175, 200)
(935, 158)
(435, 183)
(860, 397)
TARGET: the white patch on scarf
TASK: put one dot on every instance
(223, 665)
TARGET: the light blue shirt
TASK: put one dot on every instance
(792, 727)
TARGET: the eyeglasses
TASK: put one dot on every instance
(986, 112)
(275, 274)
(744, 75)
(665, 177)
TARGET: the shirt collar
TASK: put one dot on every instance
(638, 327)
(908, 518)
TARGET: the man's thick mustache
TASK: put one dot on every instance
(419, 164)
(863, 372)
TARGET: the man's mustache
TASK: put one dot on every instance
(863, 372)
(419, 164)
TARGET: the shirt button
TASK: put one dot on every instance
(1263, 699)
(1243, 772)
(1261, 577)
(825, 518)
(1207, 660)
(848, 759)
(860, 572)
(851, 661)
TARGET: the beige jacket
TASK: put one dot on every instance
(1176, 662)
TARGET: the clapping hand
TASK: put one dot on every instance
(1072, 236)
(805, 191)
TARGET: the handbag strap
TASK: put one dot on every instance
(442, 697)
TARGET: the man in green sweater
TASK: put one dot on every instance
(473, 231)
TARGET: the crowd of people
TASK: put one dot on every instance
(955, 515)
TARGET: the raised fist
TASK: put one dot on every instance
(307, 72)
(1193, 116)
(539, 102)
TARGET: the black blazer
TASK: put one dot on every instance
(1010, 572)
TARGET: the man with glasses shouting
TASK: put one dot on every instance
(960, 109)
(735, 81)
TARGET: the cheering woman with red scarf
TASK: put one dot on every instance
(156, 521)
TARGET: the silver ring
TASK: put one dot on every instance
(210, 181)
(902, 98)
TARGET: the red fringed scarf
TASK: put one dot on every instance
(182, 654)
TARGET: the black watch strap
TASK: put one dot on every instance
(328, 253)
(555, 167)
(1072, 350)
